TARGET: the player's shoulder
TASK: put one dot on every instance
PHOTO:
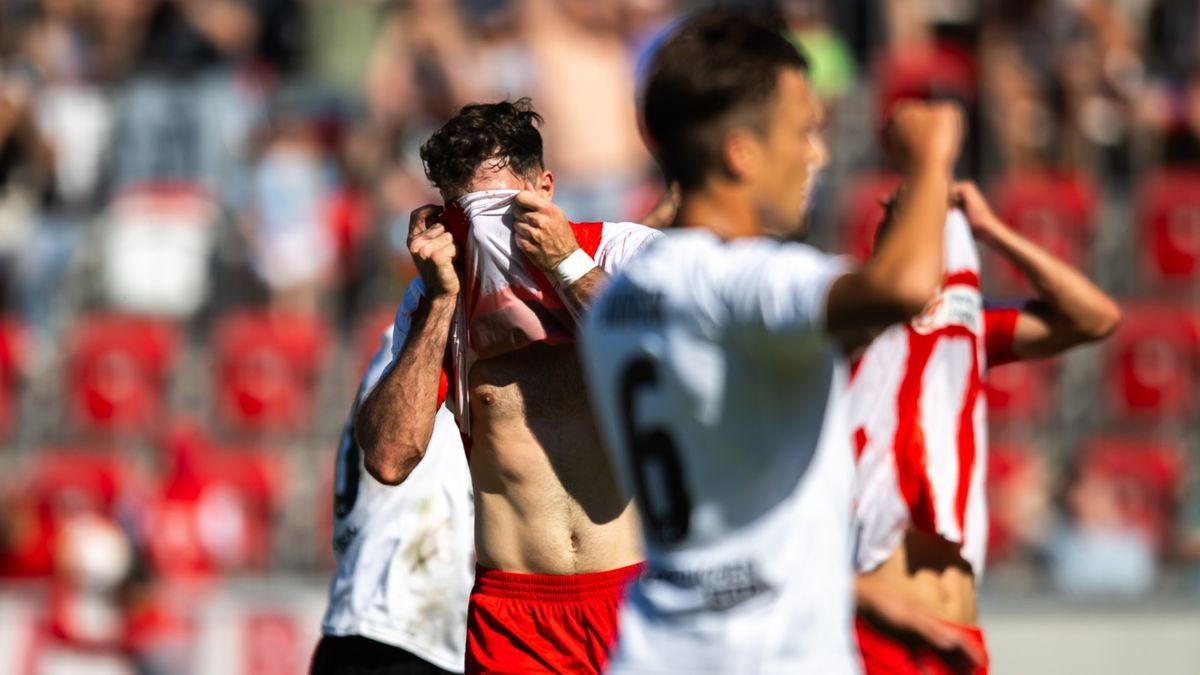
(699, 259)
(620, 242)
(767, 250)
(674, 256)
(664, 272)
(623, 228)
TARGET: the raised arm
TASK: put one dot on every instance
(395, 422)
(906, 270)
(1069, 309)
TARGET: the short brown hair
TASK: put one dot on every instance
(717, 69)
(506, 132)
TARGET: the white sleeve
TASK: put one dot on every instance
(393, 339)
(404, 315)
(379, 363)
(620, 242)
(779, 291)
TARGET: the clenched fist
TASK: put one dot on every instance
(542, 231)
(921, 135)
(433, 251)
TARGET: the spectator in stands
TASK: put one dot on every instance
(1060, 79)
(1096, 551)
(832, 66)
(584, 86)
(26, 163)
(74, 119)
(289, 236)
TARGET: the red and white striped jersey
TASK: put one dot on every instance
(919, 419)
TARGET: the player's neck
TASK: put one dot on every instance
(724, 210)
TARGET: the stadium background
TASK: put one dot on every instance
(202, 212)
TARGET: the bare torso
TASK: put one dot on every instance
(929, 570)
(546, 499)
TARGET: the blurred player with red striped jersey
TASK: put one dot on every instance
(919, 430)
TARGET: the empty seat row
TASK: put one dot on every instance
(208, 509)
(117, 369)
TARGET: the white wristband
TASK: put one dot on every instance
(573, 268)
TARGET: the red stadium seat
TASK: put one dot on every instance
(350, 219)
(79, 478)
(267, 367)
(117, 371)
(56, 485)
(13, 356)
(861, 212)
(216, 507)
(1020, 393)
(27, 549)
(1153, 362)
(1169, 217)
(1149, 477)
(1055, 210)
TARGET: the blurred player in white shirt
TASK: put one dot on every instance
(919, 429)
(405, 553)
(716, 363)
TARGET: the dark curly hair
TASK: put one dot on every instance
(506, 132)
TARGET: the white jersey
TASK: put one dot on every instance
(405, 554)
(721, 401)
(919, 424)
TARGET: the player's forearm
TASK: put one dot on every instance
(578, 297)
(1081, 310)
(395, 422)
(908, 264)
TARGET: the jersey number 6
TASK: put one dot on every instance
(666, 507)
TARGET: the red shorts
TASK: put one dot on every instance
(889, 653)
(522, 623)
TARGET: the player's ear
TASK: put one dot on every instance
(545, 184)
(741, 152)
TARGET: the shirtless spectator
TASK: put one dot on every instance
(555, 539)
(585, 86)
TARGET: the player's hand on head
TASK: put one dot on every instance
(542, 231)
(433, 251)
(921, 135)
(967, 196)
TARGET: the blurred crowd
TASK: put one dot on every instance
(203, 211)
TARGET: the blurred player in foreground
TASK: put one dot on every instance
(555, 538)
(405, 554)
(920, 433)
(716, 359)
